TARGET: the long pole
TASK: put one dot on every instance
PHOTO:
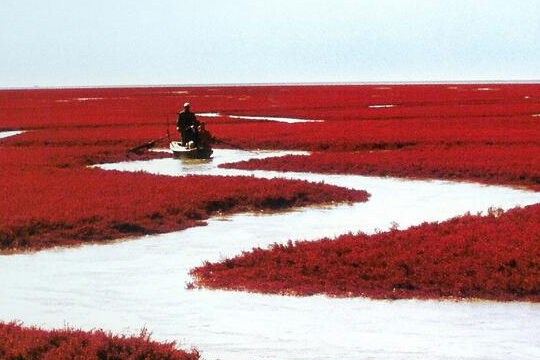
(168, 134)
(147, 145)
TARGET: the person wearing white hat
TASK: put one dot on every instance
(187, 125)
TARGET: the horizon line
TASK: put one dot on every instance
(330, 83)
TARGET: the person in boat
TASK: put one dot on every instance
(187, 125)
(204, 137)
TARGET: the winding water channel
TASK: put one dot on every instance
(128, 285)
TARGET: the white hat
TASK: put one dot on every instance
(187, 105)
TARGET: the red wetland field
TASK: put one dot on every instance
(487, 133)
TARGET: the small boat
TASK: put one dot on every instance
(183, 152)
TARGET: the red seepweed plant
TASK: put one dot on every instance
(493, 257)
(72, 206)
(18, 342)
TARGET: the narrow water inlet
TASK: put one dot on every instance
(125, 286)
(260, 118)
(5, 134)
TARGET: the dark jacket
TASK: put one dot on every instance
(186, 119)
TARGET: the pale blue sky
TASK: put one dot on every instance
(137, 42)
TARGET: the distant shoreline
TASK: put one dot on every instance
(367, 83)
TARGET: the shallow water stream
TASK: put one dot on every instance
(5, 134)
(128, 285)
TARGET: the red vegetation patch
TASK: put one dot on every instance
(49, 207)
(510, 165)
(17, 342)
(362, 134)
(493, 257)
(56, 108)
